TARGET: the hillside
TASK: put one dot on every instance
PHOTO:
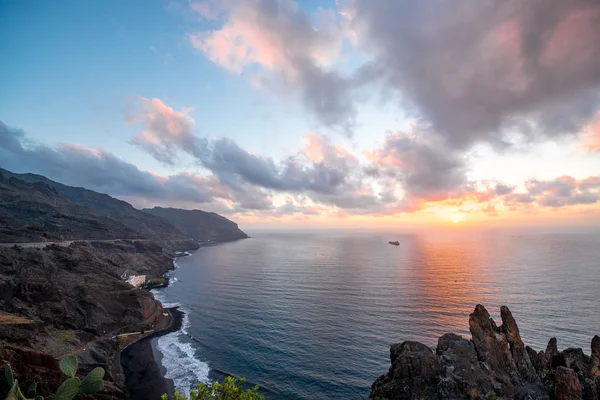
(200, 225)
(34, 212)
(147, 225)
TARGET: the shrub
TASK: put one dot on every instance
(231, 389)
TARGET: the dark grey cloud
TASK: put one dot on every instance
(167, 132)
(96, 169)
(234, 165)
(502, 189)
(424, 167)
(478, 70)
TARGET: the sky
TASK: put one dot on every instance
(348, 113)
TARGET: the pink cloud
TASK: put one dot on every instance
(575, 38)
(272, 35)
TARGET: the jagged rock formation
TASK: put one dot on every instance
(200, 225)
(494, 364)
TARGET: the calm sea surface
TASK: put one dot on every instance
(311, 316)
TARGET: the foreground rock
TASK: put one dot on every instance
(494, 364)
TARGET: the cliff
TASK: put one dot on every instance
(200, 225)
(494, 364)
(72, 297)
(61, 300)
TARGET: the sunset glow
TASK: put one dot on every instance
(277, 117)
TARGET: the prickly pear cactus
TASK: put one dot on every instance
(68, 390)
(8, 374)
(92, 383)
(31, 392)
(68, 365)
(13, 393)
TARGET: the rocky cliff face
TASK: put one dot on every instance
(494, 364)
(200, 225)
(73, 300)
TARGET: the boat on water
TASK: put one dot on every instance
(396, 243)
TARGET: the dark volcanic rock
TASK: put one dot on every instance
(414, 367)
(495, 364)
(567, 385)
(72, 300)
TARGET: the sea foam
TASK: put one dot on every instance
(178, 352)
(179, 360)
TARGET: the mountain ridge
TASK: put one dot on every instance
(122, 216)
(200, 225)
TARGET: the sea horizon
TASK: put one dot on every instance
(403, 304)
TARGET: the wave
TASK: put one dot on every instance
(180, 362)
(178, 353)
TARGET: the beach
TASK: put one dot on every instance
(141, 362)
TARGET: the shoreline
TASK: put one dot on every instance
(141, 362)
(142, 369)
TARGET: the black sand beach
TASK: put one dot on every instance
(144, 374)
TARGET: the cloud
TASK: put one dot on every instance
(100, 170)
(278, 37)
(425, 168)
(321, 179)
(482, 71)
(591, 138)
(565, 191)
(166, 131)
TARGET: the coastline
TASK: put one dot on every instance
(141, 363)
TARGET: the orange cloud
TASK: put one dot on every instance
(591, 139)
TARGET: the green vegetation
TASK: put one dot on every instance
(231, 389)
(155, 283)
(69, 389)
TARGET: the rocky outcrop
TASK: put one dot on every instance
(494, 364)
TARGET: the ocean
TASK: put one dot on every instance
(312, 315)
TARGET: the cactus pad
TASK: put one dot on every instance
(68, 365)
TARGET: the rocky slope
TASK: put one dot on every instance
(34, 212)
(200, 225)
(494, 364)
(146, 225)
(72, 297)
(63, 300)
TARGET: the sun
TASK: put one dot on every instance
(456, 220)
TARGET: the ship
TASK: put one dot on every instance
(396, 243)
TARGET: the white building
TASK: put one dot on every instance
(136, 280)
